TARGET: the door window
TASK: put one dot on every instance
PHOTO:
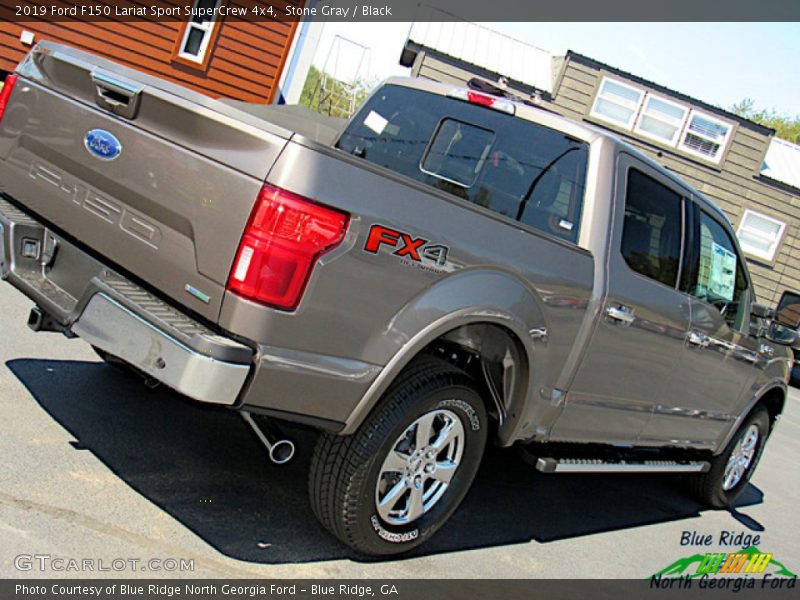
(718, 275)
(651, 235)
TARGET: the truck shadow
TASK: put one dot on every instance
(205, 468)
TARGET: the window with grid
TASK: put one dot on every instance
(705, 136)
(617, 103)
(661, 119)
(760, 235)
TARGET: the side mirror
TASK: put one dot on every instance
(759, 327)
(782, 335)
(762, 311)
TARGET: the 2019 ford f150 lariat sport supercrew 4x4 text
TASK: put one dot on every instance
(448, 268)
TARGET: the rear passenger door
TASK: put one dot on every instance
(636, 354)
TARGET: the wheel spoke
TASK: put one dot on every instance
(445, 471)
(396, 462)
(387, 503)
(415, 505)
(448, 433)
(729, 476)
(750, 442)
(739, 473)
(731, 461)
(424, 430)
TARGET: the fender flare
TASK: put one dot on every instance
(751, 404)
(497, 298)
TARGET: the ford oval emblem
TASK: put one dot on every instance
(103, 144)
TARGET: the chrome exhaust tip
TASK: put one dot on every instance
(281, 452)
(280, 449)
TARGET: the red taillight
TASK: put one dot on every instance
(285, 236)
(494, 102)
(5, 94)
(483, 100)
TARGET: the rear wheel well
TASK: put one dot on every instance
(495, 358)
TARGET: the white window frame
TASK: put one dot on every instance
(207, 27)
(774, 242)
(635, 107)
(723, 144)
(679, 123)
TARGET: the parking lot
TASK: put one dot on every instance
(98, 468)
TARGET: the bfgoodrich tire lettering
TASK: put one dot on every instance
(349, 474)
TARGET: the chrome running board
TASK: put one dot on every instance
(591, 465)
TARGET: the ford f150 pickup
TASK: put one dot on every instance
(449, 267)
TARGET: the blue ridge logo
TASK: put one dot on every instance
(103, 144)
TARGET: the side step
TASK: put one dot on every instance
(592, 465)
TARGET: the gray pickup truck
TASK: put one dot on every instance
(449, 267)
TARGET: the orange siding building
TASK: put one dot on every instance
(230, 57)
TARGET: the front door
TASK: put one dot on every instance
(724, 355)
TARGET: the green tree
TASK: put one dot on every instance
(309, 92)
(330, 96)
(786, 126)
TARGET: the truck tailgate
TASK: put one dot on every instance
(171, 207)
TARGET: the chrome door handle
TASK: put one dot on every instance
(695, 338)
(623, 314)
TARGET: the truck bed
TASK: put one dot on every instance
(322, 129)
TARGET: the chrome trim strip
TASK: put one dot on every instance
(112, 327)
(691, 413)
(127, 87)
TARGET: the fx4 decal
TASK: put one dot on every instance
(415, 251)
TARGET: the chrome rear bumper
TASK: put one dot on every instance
(112, 327)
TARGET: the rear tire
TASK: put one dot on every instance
(730, 472)
(390, 486)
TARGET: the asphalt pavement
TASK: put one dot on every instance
(128, 482)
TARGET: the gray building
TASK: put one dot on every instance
(753, 176)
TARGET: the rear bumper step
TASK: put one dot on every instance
(589, 465)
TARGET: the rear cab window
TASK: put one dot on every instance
(519, 169)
